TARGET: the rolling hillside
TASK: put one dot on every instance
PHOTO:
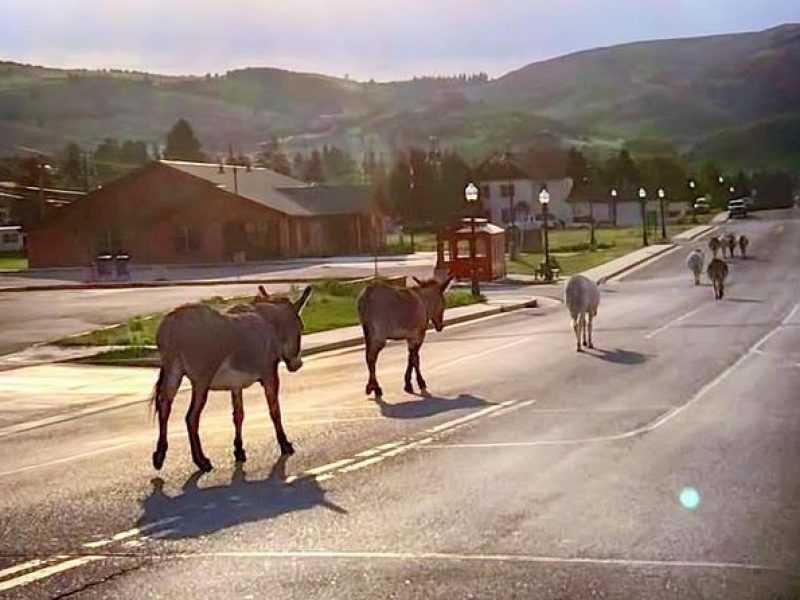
(694, 93)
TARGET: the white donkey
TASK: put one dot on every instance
(694, 262)
(582, 297)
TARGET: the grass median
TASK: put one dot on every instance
(331, 306)
(570, 247)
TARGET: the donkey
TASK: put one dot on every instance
(390, 313)
(694, 262)
(582, 297)
(226, 351)
(714, 245)
(730, 239)
(717, 272)
(743, 243)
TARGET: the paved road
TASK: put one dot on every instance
(661, 465)
(33, 317)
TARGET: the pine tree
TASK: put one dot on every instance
(314, 169)
(71, 166)
(182, 143)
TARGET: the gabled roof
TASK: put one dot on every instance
(503, 165)
(258, 184)
(332, 199)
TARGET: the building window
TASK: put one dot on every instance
(10, 238)
(504, 217)
(486, 191)
(187, 239)
(507, 190)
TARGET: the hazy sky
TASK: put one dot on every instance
(363, 38)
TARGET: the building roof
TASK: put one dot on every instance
(332, 199)
(257, 184)
(502, 166)
(280, 192)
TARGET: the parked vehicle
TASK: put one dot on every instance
(737, 209)
(701, 206)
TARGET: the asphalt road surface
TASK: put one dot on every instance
(663, 464)
(33, 317)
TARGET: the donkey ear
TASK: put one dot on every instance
(262, 292)
(444, 285)
(301, 301)
(419, 283)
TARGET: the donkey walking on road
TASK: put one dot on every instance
(714, 245)
(390, 313)
(226, 351)
(694, 262)
(717, 273)
(582, 297)
(730, 240)
(743, 243)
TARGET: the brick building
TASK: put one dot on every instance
(172, 212)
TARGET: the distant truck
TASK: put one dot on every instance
(737, 209)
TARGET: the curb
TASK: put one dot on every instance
(352, 342)
(627, 268)
(161, 284)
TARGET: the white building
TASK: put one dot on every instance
(11, 238)
(510, 194)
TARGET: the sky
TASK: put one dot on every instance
(363, 39)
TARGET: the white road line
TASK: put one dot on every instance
(666, 326)
(475, 355)
(47, 572)
(513, 558)
(652, 425)
(66, 459)
(24, 566)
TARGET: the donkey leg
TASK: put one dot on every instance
(583, 328)
(373, 349)
(576, 327)
(168, 383)
(591, 320)
(271, 389)
(409, 389)
(420, 380)
(238, 418)
(199, 398)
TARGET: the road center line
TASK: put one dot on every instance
(666, 326)
(47, 572)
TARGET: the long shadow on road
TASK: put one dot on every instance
(622, 357)
(427, 406)
(200, 511)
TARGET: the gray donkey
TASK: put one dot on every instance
(390, 313)
(717, 272)
(228, 350)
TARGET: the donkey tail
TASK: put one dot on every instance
(155, 395)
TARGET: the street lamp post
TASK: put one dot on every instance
(544, 200)
(614, 207)
(471, 195)
(642, 208)
(692, 186)
(661, 196)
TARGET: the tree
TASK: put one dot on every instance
(314, 169)
(182, 143)
(280, 163)
(338, 165)
(71, 167)
(298, 165)
(578, 168)
(133, 153)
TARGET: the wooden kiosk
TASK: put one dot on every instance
(453, 249)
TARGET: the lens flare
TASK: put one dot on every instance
(689, 498)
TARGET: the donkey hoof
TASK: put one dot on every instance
(585, 343)
(579, 349)
(203, 464)
(378, 392)
(287, 449)
(158, 459)
(591, 345)
(408, 388)
(239, 455)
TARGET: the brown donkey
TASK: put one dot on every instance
(743, 243)
(717, 272)
(390, 313)
(714, 245)
(228, 350)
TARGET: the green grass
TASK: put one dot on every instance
(570, 247)
(331, 306)
(423, 242)
(13, 261)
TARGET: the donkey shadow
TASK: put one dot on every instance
(618, 356)
(428, 406)
(199, 511)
